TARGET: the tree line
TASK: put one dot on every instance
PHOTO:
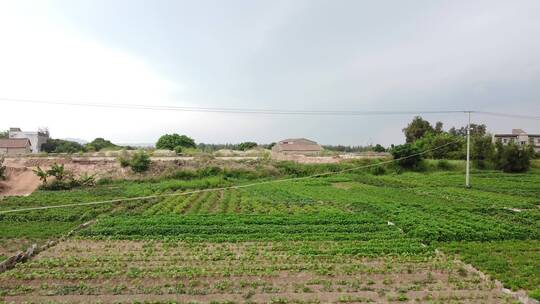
(421, 136)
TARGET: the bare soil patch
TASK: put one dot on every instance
(20, 181)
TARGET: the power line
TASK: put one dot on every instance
(507, 115)
(231, 110)
(226, 188)
(262, 111)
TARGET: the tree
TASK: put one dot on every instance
(247, 145)
(171, 141)
(476, 130)
(439, 127)
(4, 134)
(407, 156)
(62, 146)
(442, 145)
(379, 148)
(482, 150)
(100, 143)
(512, 158)
(416, 129)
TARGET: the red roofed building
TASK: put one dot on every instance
(14, 146)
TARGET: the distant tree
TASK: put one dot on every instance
(512, 158)
(171, 141)
(407, 156)
(4, 134)
(247, 145)
(416, 129)
(476, 130)
(379, 148)
(62, 146)
(439, 127)
(348, 149)
(100, 143)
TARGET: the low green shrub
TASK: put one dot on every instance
(124, 161)
(378, 170)
(140, 162)
(2, 169)
(408, 156)
(444, 165)
(535, 294)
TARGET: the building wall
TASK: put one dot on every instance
(300, 152)
(14, 151)
(521, 139)
(36, 139)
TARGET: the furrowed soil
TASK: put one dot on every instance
(84, 271)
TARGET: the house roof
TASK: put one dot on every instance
(297, 144)
(299, 140)
(14, 143)
(516, 135)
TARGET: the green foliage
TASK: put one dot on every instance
(535, 294)
(171, 141)
(443, 146)
(42, 174)
(100, 143)
(378, 170)
(379, 148)
(57, 171)
(63, 180)
(124, 161)
(140, 162)
(2, 169)
(444, 165)
(178, 149)
(407, 156)
(512, 158)
(62, 146)
(247, 145)
(416, 129)
(482, 150)
(476, 130)
(515, 263)
(4, 134)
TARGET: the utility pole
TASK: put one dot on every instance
(467, 170)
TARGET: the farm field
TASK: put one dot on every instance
(344, 238)
(275, 272)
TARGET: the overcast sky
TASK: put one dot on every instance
(314, 55)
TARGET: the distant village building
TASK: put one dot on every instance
(520, 138)
(36, 138)
(15, 146)
(301, 146)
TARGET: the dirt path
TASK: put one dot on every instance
(20, 181)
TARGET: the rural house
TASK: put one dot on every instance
(297, 146)
(519, 137)
(15, 146)
(37, 138)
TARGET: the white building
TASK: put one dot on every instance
(37, 138)
(520, 138)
